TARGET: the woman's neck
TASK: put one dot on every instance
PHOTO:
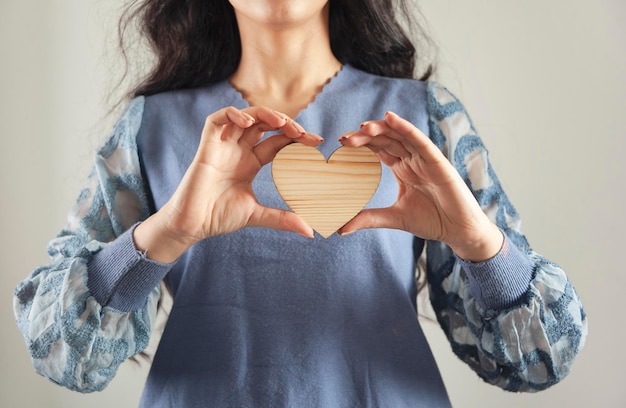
(284, 67)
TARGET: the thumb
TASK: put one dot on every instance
(372, 218)
(281, 220)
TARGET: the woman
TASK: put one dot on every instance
(181, 192)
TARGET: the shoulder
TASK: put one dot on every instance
(441, 102)
(377, 94)
(125, 129)
(448, 121)
(411, 88)
(207, 98)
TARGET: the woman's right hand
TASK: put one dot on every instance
(215, 196)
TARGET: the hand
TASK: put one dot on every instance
(433, 202)
(215, 195)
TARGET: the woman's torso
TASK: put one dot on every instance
(268, 318)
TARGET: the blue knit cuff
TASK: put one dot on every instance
(121, 277)
(502, 281)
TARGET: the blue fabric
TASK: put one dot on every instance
(123, 277)
(267, 318)
(486, 286)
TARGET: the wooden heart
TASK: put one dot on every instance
(326, 194)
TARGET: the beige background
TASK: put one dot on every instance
(543, 80)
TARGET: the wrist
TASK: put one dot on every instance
(157, 242)
(482, 246)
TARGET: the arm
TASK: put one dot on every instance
(94, 305)
(80, 325)
(514, 319)
(510, 314)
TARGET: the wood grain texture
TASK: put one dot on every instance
(326, 194)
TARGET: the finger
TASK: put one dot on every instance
(427, 149)
(215, 124)
(253, 134)
(378, 143)
(267, 149)
(274, 119)
(266, 119)
(309, 139)
(263, 119)
(380, 128)
(280, 219)
(295, 131)
(355, 139)
(229, 115)
(373, 218)
(292, 128)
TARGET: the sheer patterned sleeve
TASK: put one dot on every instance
(94, 304)
(515, 319)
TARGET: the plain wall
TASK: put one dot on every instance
(543, 81)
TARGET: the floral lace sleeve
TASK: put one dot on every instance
(525, 342)
(75, 339)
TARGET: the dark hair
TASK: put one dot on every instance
(196, 42)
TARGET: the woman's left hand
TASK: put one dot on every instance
(433, 203)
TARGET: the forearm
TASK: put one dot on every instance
(484, 243)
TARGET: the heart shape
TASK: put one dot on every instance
(326, 194)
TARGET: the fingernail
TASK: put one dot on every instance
(248, 116)
(364, 124)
